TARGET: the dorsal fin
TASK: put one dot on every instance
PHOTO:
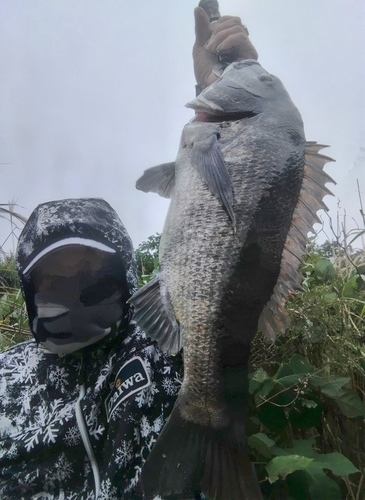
(274, 318)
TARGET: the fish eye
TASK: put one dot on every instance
(266, 79)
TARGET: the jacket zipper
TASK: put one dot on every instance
(85, 436)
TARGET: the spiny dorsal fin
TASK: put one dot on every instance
(160, 180)
(314, 147)
(274, 318)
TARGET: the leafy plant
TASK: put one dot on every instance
(147, 259)
(13, 319)
(288, 409)
(8, 273)
(307, 391)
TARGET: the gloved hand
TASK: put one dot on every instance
(227, 37)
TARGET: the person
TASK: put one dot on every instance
(82, 404)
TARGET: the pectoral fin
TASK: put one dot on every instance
(155, 319)
(207, 158)
(160, 180)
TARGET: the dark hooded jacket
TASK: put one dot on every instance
(80, 426)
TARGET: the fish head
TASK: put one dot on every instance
(245, 90)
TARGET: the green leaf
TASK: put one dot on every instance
(303, 486)
(260, 375)
(280, 389)
(323, 487)
(330, 296)
(290, 380)
(297, 365)
(309, 403)
(298, 484)
(273, 417)
(264, 390)
(261, 443)
(350, 404)
(282, 466)
(324, 270)
(336, 462)
(331, 387)
(337, 388)
(349, 289)
(256, 379)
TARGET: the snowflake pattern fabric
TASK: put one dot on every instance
(42, 454)
(80, 427)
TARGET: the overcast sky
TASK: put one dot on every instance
(92, 93)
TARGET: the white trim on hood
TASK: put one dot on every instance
(67, 242)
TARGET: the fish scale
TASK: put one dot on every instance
(194, 307)
(244, 189)
(212, 231)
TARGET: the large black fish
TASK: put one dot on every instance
(244, 189)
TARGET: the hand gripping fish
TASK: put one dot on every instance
(245, 189)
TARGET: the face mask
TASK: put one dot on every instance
(77, 307)
(67, 327)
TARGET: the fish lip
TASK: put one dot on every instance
(201, 103)
(208, 111)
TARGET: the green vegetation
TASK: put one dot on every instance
(306, 424)
(306, 427)
(13, 316)
(147, 258)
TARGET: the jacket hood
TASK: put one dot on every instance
(87, 221)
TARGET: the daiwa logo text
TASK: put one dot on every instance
(131, 378)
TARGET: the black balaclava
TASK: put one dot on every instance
(77, 270)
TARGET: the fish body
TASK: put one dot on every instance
(235, 188)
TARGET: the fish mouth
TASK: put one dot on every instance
(203, 116)
(208, 111)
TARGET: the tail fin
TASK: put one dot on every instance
(190, 457)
